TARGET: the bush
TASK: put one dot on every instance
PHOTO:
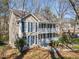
(54, 43)
(76, 47)
(66, 38)
(75, 40)
(4, 37)
(20, 43)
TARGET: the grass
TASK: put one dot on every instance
(2, 46)
(70, 58)
(76, 47)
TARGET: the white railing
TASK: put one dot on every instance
(55, 38)
(46, 30)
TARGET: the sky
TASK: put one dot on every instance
(28, 5)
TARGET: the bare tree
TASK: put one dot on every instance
(75, 6)
(63, 9)
(46, 12)
(4, 10)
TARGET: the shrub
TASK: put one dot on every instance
(20, 43)
(4, 37)
(54, 43)
(66, 38)
(76, 47)
(75, 40)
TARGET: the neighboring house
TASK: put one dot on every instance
(36, 30)
(68, 25)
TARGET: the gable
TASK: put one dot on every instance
(30, 18)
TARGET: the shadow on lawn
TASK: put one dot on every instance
(22, 54)
(53, 56)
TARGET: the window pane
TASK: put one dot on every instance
(53, 25)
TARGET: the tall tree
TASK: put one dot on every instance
(4, 14)
(63, 10)
(47, 13)
(75, 6)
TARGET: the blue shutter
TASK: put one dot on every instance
(28, 40)
(28, 27)
(36, 39)
(36, 27)
(31, 27)
(22, 22)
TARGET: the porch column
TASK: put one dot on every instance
(40, 40)
(37, 40)
(20, 32)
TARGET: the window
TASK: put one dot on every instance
(32, 40)
(54, 25)
(50, 25)
(42, 25)
(39, 25)
(49, 35)
(43, 35)
(30, 26)
(39, 36)
(55, 35)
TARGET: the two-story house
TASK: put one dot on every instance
(36, 31)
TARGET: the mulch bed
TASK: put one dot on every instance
(37, 53)
(70, 54)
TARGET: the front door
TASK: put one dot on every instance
(31, 40)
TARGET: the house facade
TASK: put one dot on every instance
(36, 31)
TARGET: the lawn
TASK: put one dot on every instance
(76, 47)
(1, 50)
(1, 47)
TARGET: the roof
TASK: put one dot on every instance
(25, 14)
(44, 18)
(19, 13)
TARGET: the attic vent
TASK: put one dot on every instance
(17, 22)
